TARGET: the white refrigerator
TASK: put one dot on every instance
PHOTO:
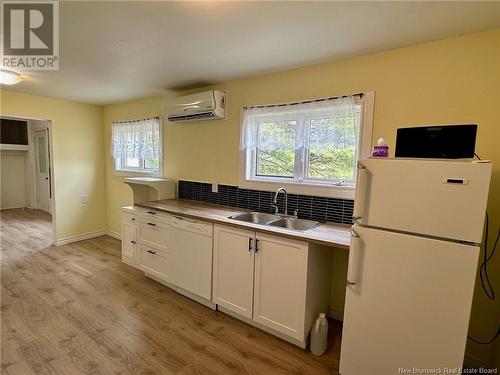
(412, 264)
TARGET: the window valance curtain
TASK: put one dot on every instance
(310, 124)
(136, 139)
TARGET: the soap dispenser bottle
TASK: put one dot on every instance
(380, 150)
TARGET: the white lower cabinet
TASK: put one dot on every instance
(275, 282)
(233, 269)
(129, 243)
(173, 250)
(280, 284)
(142, 227)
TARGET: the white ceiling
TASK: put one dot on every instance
(115, 51)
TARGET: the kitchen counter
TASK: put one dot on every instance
(335, 235)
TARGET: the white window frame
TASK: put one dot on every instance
(247, 160)
(140, 172)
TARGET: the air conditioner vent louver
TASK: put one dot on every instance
(193, 117)
(208, 105)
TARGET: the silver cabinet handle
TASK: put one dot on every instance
(250, 243)
(353, 262)
(354, 233)
(256, 245)
(360, 191)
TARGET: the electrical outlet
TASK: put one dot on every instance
(84, 199)
(215, 187)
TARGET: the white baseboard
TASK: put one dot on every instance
(13, 208)
(335, 314)
(114, 234)
(80, 237)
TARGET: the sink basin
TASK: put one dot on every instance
(256, 217)
(295, 224)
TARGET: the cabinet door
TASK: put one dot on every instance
(129, 242)
(280, 284)
(233, 269)
(408, 302)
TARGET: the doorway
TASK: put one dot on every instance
(27, 188)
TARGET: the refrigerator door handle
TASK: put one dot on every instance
(360, 192)
(354, 233)
(353, 266)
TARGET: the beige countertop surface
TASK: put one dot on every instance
(335, 235)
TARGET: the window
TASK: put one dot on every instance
(315, 143)
(136, 147)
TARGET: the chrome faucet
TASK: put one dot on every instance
(275, 201)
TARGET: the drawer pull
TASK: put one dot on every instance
(133, 219)
(152, 252)
(151, 212)
(152, 224)
(132, 242)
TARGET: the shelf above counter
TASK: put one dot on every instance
(151, 188)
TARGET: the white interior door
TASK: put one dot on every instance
(43, 193)
(410, 304)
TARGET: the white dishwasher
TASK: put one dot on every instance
(191, 250)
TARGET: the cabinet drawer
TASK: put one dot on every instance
(129, 218)
(155, 262)
(159, 216)
(154, 233)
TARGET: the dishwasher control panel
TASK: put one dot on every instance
(190, 225)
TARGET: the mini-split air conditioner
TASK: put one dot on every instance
(207, 105)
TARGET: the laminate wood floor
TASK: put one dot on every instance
(77, 309)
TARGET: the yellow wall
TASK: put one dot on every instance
(117, 193)
(78, 153)
(455, 80)
(13, 179)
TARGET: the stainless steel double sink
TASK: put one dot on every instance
(287, 222)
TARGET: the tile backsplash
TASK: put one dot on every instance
(309, 207)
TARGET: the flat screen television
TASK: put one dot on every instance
(437, 142)
(13, 132)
